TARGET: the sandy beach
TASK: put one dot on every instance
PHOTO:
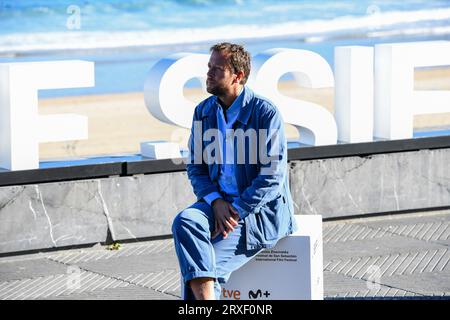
(119, 122)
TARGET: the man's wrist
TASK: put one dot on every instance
(239, 210)
(210, 198)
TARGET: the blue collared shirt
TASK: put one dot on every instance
(227, 178)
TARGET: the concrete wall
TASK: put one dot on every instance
(379, 183)
(88, 211)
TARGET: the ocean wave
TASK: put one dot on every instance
(410, 32)
(433, 21)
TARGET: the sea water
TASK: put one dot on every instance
(125, 38)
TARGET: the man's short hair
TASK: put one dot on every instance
(238, 58)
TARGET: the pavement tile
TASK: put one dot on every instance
(403, 256)
(375, 247)
(426, 284)
(16, 269)
(338, 286)
(130, 292)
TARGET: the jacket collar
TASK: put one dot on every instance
(210, 109)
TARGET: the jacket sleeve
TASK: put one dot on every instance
(196, 167)
(273, 166)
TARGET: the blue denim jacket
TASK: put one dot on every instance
(265, 200)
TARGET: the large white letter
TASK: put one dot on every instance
(353, 98)
(396, 102)
(21, 128)
(163, 89)
(315, 124)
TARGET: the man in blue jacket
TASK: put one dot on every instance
(238, 170)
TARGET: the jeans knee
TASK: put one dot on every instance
(182, 219)
(176, 224)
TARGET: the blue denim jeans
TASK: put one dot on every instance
(199, 255)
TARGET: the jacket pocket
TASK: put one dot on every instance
(272, 218)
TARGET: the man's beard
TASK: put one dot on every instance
(216, 90)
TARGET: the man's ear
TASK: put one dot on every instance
(239, 76)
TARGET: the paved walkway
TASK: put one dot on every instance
(405, 255)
